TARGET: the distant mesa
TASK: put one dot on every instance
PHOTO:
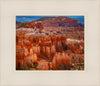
(56, 22)
(60, 22)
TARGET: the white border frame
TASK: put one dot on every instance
(9, 76)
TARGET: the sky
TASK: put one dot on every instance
(24, 19)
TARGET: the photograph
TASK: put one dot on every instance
(50, 42)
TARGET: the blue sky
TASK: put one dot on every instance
(23, 19)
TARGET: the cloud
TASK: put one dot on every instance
(24, 19)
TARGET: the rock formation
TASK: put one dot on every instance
(31, 45)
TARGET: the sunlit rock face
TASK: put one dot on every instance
(53, 49)
(43, 65)
(35, 49)
(61, 61)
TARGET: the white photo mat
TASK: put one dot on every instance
(91, 74)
